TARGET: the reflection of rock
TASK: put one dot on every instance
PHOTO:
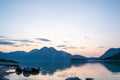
(72, 78)
(18, 70)
(26, 74)
(27, 71)
(43, 72)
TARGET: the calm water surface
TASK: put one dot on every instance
(62, 70)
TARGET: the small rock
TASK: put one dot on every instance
(89, 78)
(73, 78)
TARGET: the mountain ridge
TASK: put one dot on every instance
(50, 53)
(110, 52)
(45, 53)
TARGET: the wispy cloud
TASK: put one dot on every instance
(66, 47)
(20, 42)
(6, 43)
(24, 40)
(14, 42)
(2, 37)
(23, 44)
(71, 47)
(17, 45)
(43, 39)
(82, 47)
(62, 46)
(67, 42)
(101, 46)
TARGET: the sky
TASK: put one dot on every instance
(84, 27)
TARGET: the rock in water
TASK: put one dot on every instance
(89, 78)
(73, 78)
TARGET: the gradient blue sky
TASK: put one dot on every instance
(85, 27)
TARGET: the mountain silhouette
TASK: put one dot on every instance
(13, 55)
(43, 54)
(113, 52)
(51, 54)
(48, 53)
(114, 57)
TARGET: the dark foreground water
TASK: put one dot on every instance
(61, 70)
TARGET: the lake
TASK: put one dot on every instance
(58, 70)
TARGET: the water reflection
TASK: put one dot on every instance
(27, 71)
(112, 66)
(49, 68)
(46, 67)
(3, 71)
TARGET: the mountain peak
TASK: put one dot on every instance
(48, 49)
(44, 48)
(52, 48)
(33, 51)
